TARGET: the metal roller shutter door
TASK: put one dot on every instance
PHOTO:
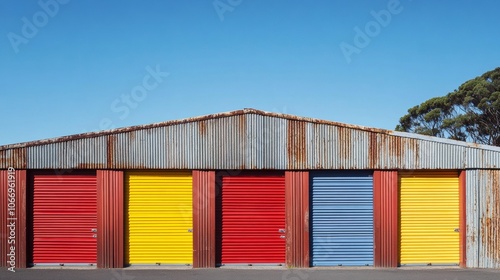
(159, 218)
(429, 218)
(253, 220)
(64, 219)
(342, 218)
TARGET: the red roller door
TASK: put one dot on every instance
(64, 219)
(253, 220)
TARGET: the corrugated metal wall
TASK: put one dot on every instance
(483, 218)
(87, 153)
(110, 225)
(297, 218)
(386, 206)
(251, 140)
(20, 218)
(203, 219)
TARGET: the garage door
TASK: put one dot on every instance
(253, 220)
(64, 219)
(342, 218)
(429, 218)
(159, 218)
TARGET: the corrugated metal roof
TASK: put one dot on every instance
(248, 139)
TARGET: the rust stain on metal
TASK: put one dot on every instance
(373, 153)
(202, 126)
(131, 135)
(243, 112)
(13, 158)
(344, 144)
(297, 218)
(412, 145)
(296, 144)
(395, 150)
(490, 221)
(110, 151)
(243, 124)
(386, 228)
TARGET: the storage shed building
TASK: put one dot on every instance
(250, 188)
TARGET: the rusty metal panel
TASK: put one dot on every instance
(203, 219)
(385, 213)
(86, 153)
(15, 158)
(265, 143)
(3, 218)
(4, 231)
(297, 218)
(8, 178)
(483, 218)
(110, 219)
(489, 219)
(472, 218)
(249, 139)
(143, 149)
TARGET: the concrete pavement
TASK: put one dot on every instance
(252, 273)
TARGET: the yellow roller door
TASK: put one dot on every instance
(159, 218)
(429, 218)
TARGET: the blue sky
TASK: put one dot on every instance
(70, 66)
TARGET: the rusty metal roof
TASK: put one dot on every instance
(248, 139)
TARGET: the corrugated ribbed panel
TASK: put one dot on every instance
(473, 204)
(253, 220)
(252, 141)
(386, 206)
(490, 219)
(15, 158)
(88, 153)
(342, 218)
(297, 218)
(4, 231)
(483, 218)
(110, 219)
(266, 138)
(141, 149)
(203, 219)
(16, 179)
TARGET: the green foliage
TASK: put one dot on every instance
(470, 113)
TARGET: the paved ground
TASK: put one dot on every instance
(253, 273)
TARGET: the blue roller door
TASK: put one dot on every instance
(342, 218)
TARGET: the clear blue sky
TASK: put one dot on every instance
(68, 68)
